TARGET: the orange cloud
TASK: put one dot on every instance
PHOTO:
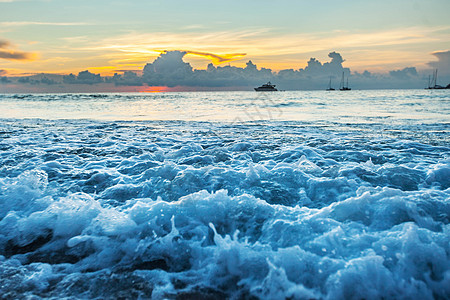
(6, 52)
(218, 59)
(215, 58)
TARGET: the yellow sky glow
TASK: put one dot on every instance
(265, 48)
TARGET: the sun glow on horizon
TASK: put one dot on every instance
(154, 89)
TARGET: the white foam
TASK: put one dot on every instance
(202, 215)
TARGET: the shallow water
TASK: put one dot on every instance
(294, 195)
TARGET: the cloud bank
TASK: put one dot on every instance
(170, 70)
(84, 77)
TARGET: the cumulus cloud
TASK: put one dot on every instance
(443, 59)
(37, 80)
(315, 75)
(4, 80)
(8, 52)
(227, 76)
(405, 73)
(442, 65)
(128, 78)
(170, 69)
(84, 77)
(315, 67)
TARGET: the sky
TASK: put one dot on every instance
(106, 37)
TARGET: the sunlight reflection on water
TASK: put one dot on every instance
(353, 106)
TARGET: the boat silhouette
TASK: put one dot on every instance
(432, 83)
(329, 86)
(344, 87)
(267, 87)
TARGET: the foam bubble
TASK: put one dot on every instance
(143, 209)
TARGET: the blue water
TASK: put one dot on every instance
(290, 195)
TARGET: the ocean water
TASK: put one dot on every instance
(233, 195)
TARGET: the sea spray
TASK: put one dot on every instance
(162, 209)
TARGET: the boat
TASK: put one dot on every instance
(432, 83)
(329, 86)
(267, 87)
(343, 87)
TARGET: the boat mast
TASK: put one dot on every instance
(435, 79)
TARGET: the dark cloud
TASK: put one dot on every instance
(128, 78)
(168, 63)
(7, 52)
(406, 73)
(84, 77)
(442, 65)
(48, 81)
(37, 80)
(15, 55)
(336, 59)
(334, 67)
(443, 60)
(366, 74)
(169, 69)
(134, 71)
(4, 80)
(4, 44)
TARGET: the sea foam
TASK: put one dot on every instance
(163, 209)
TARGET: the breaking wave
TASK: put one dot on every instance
(199, 210)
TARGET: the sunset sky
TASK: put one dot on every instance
(63, 36)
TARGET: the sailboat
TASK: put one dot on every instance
(432, 84)
(343, 87)
(329, 86)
